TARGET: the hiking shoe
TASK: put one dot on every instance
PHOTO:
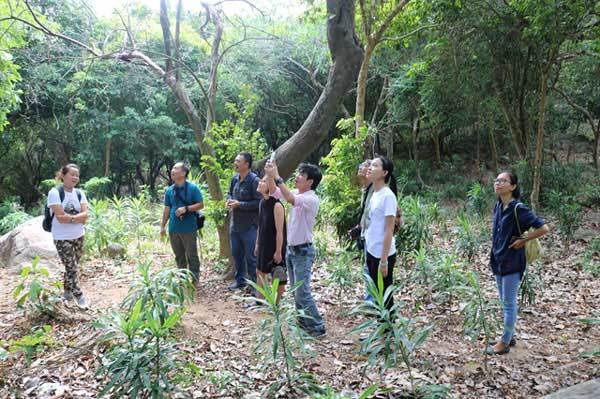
(318, 334)
(490, 351)
(235, 286)
(68, 296)
(513, 342)
(82, 302)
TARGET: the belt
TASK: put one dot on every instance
(305, 245)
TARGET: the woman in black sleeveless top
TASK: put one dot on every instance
(271, 239)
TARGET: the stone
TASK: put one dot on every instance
(586, 235)
(586, 390)
(25, 242)
(116, 251)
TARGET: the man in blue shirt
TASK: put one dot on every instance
(182, 200)
(242, 200)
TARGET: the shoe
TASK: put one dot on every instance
(318, 334)
(235, 286)
(490, 350)
(82, 302)
(68, 296)
(254, 305)
(513, 342)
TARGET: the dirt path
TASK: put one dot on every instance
(218, 333)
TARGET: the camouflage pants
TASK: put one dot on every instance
(70, 252)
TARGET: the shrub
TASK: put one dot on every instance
(392, 338)
(342, 196)
(591, 258)
(141, 360)
(12, 220)
(343, 272)
(280, 341)
(32, 344)
(568, 213)
(36, 293)
(468, 238)
(479, 199)
(97, 187)
(415, 231)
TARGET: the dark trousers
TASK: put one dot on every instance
(185, 248)
(242, 249)
(373, 265)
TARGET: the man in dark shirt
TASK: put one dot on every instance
(242, 200)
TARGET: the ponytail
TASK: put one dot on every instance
(392, 184)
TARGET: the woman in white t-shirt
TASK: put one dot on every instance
(379, 238)
(68, 206)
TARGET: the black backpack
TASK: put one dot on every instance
(47, 222)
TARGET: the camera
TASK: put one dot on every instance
(70, 209)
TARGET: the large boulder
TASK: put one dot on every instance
(586, 390)
(25, 242)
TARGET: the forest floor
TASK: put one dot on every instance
(218, 333)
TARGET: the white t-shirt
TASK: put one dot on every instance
(66, 231)
(383, 203)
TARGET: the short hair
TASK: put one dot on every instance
(182, 165)
(247, 157)
(312, 172)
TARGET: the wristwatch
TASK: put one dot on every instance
(278, 181)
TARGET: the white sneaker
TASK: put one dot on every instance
(82, 302)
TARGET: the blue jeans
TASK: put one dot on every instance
(242, 249)
(299, 262)
(508, 289)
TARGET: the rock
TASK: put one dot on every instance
(586, 235)
(586, 390)
(25, 242)
(116, 251)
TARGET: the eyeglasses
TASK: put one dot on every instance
(501, 181)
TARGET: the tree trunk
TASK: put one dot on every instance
(596, 146)
(436, 146)
(107, 157)
(478, 150)
(346, 55)
(539, 143)
(415, 139)
(215, 58)
(493, 148)
(361, 87)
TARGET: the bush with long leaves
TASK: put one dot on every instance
(36, 293)
(391, 338)
(141, 359)
(279, 343)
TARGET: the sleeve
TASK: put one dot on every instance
(230, 192)
(528, 219)
(252, 205)
(168, 197)
(305, 201)
(196, 195)
(390, 205)
(83, 198)
(53, 198)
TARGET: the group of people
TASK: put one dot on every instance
(266, 246)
